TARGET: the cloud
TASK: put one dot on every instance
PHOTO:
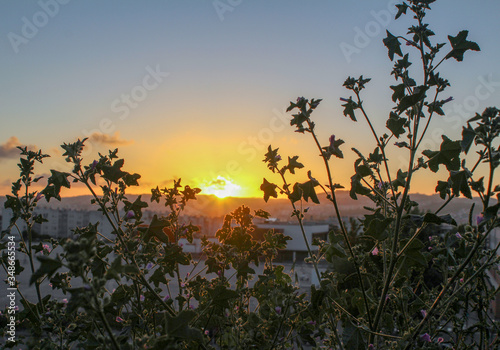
(106, 139)
(9, 149)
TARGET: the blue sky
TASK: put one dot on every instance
(224, 71)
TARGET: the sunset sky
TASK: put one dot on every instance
(198, 89)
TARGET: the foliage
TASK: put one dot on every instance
(396, 279)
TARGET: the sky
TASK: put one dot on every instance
(198, 89)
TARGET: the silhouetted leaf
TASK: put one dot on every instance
(460, 44)
(269, 190)
(459, 183)
(396, 124)
(449, 155)
(393, 45)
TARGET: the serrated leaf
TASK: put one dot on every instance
(396, 124)
(48, 266)
(411, 100)
(178, 326)
(269, 190)
(459, 183)
(468, 135)
(443, 187)
(293, 164)
(349, 108)
(460, 44)
(393, 45)
(377, 228)
(448, 155)
(304, 190)
(113, 172)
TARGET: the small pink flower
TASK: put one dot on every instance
(426, 337)
(375, 251)
(461, 280)
(311, 322)
(458, 235)
(46, 247)
(141, 298)
(300, 99)
(278, 309)
(93, 165)
(183, 284)
(38, 196)
(207, 332)
(64, 301)
(479, 219)
(149, 266)
(278, 158)
(440, 340)
(130, 214)
(166, 298)
(429, 248)
(119, 319)
(424, 313)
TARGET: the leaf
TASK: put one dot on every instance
(478, 185)
(220, 296)
(449, 155)
(131, 179)
(443, 187)
(113, 172)
(459, 183)
(400, 179)
(377, 228)
(393, 45)
(460, 44)
(352, 337)
(156, 230)
(399, 92)
(293, 164)
(304, 190)
(357, 187)
(178, 326)
(401, 10)
(349, 108)
(468, 135)
(396, 124)
(438, 220)
(48, 266)
(55, 182)
(411, 100)
(269, 190)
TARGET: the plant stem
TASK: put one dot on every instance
(430, 312)
(341, 224)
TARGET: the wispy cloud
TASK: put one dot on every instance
(107, 139)
(8, 150)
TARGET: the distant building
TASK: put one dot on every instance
(296, 248)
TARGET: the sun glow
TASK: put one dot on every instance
(221, 187)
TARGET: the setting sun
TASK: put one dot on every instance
(221, 187)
